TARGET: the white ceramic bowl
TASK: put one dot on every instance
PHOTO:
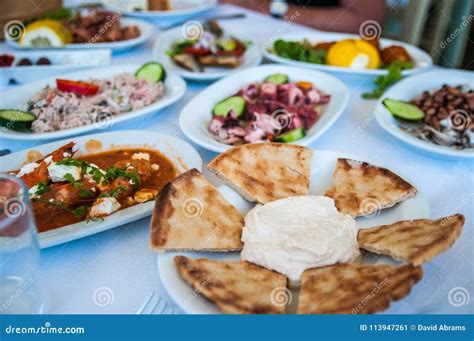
(183, 156)
(166, 39)
(196, 115)
(422, 60)
(18, 97)
(412, 87)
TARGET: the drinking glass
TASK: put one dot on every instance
(19, 250)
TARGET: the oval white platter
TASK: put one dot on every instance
(196, 115)
(412, 87)
(179, 9)
(62, 61)
(18, 97)
(422, 60)
(146, 31)
(166, 39)
(322, 168)
(182, 154)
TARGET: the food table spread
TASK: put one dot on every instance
(115, 271)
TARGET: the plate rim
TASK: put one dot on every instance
(220, 147)
(163, 257)
(165, 14)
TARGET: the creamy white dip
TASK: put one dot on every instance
(297, 233)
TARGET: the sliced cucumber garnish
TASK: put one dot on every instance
(16, 119)
(234, 103)
(152, 72)
(291, 136)
(277, 78)
(403, 110)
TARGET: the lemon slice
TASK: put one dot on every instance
(46, 33)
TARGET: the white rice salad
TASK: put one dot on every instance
(58, 110)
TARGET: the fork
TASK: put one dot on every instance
(151, 305)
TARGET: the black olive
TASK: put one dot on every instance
(24, 62)
(43, 61)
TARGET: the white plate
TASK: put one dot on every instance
(322, 168)
(179, 9)
(61, 62)
(18, 97)
(166, 39)
(196, 115)
(183, 156)
(412, 87)
(146, 31)
(422, 60)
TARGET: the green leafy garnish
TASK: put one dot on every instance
(80, 211)
(303, 52)
(179, 47)
(383, 82)
(42, 188)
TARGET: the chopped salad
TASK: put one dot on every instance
(274, 110)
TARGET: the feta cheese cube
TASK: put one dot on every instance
(57, 172)
(103, 207)
(28, 168)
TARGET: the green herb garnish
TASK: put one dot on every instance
(303, 52)
(385, 81)
(42, 188)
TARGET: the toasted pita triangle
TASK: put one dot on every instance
(263, 172)
(235, 287)
(414, 241)
(350, 288)
(191, 214)
(360, 189)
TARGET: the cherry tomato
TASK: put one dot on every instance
(77, 87)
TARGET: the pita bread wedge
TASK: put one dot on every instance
(235, 287)
(263, 172)
(352, 288)
(360, 189)
(191, 214)
(415, 241)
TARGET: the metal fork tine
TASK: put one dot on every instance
(155, 305)
(146, 304)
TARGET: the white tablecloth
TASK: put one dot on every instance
(119, 263)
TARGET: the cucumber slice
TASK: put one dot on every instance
(235, 103)
(152, 72)
(403, 110)
(291, 136)
(16, 119)
(277, 78)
